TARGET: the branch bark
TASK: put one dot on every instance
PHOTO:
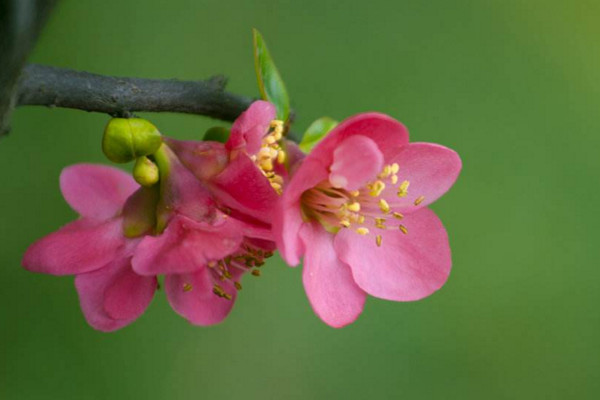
(58, 87)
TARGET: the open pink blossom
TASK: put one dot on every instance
(248, 171)
(356, 209)
(201, 248)
(94, 248)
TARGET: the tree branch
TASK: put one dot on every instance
(57, 87)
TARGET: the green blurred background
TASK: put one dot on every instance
(513, 86)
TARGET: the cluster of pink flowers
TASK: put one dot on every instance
(354, 208)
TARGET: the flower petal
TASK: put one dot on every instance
(331, 290)
(81, 246)
(287, 217)
(251, 126)
(243, 187)
(191, 296)
(389, 135)
(406, 267)
(203, 159)
(356, 161)
(114, 296)
(96, 191)
(185, 246)
(431, 170)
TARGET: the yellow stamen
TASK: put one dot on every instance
(281, 157)
(256, 272)
(187, 287)
(384, 206)
(354, 193)
(378, 240)
(419, 200)
(345, 223)
(237, 285)
(403, 189)
(379, 223)
(398, 215)
(362, 231)
(376, 188)
(403, 229)
(354, 207)
(395, 168)
(394, 179)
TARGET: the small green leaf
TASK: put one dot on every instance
(270, 84)
(217, 134)
(315, 132)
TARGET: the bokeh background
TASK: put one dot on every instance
(512, 85)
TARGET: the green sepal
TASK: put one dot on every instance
(217, 134)
(139, 212)
(270, 84)
(315, 132)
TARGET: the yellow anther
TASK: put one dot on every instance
(270, 139)
(345, 223)
(256, 272)
(354, 207)
(361, 219)
(266, 164)
(387, 170)
(378, 240)
(380, 223)
(355, 193)
(212, 264)
(376, 188)
(395, 168)
(187, 287)
(394, 179)
(398, 215)
(403, 229)
(384, 206)
(237, 285)
(281, 157)
(419, 200)
(403, 189)
(227, 296)
(362, 231)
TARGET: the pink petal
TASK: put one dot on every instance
(331, 290)
(241, 186)
(287, 217)
(81, 246)
(203, 159)
(406, 267)
(249, 128)
(114, 296)
(356, 161)
(389, 135)
(185, 246)
(431, 170)
(96, 191)
(191, 296)
(183, 193)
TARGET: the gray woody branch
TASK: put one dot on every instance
(56, 87)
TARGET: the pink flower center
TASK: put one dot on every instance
(365, 210)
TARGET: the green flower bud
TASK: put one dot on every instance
(126, 139)
(145, 172)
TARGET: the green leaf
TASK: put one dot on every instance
(270, 84)
(315, 132)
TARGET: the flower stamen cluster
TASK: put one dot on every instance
(271, 152)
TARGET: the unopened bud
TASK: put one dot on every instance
(126, 139)
(145, 172)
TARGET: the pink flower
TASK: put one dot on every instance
(356, 209)
(94, 247)
(201, 248)
(246, 173)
